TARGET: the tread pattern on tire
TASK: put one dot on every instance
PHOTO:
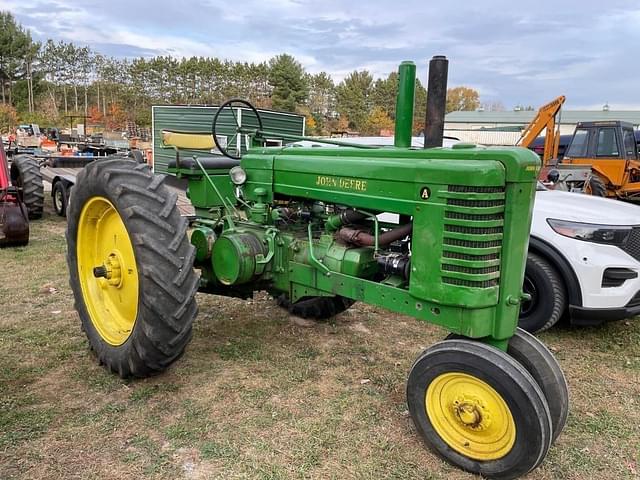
(27, 169)
(164, 257)
(315, 308)
(560, 300)
(596, 186)
(532, 354)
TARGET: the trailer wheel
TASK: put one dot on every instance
(26, 175)
(479, 409)
(595, 186)
(131, 267)
(60, 195)
(316, 308)
(548, 297)
(533, 355)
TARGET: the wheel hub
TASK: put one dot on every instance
(110, 270)
(472, 413)
(107, 271)
(470, 416)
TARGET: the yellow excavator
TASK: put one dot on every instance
(601, 159)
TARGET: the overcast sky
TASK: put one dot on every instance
(512, 52)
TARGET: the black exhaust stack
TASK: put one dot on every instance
(436, 101)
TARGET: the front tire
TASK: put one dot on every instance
(479, 409)
(131, 267)
(532, 354)
(548, 297)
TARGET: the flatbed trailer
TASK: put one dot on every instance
(62, 171)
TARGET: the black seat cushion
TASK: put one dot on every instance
(209, 163)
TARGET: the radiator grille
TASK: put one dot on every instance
(458, 268)
(474, 189)
(473, 230)
(470, 243)
(464, 256)
(472, 216)
(472, 236)
(475, 203)
(632, 246)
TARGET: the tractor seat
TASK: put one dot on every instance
(189, 140)
(209, 163)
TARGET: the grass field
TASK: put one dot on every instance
(259, 394)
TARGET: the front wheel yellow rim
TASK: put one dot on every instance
(470, 416)
(107, 271)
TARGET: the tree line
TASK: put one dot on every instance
(45, 82)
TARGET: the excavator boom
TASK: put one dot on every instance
(545, 119)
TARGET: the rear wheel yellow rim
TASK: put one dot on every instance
(470, 416)
(110, 293)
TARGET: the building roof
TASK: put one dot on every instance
(523, 117)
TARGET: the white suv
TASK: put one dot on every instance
(584, 260)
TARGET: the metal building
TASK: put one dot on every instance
(198, 119)
(503, 128)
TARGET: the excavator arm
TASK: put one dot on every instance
(545, 119)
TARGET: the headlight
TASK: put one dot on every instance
(238, 175)
(590, 232)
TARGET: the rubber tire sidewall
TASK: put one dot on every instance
(597, 187)
(551, 302)
(59, 185)
(533, 425)
(533, 355)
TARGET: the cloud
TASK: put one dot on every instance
(530, 55)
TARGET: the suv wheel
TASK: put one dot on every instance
(548, 298)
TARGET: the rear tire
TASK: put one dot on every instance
(548, 297)
(151, 328)
(26, 175)
(315, 308)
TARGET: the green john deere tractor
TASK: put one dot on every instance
(304, 224)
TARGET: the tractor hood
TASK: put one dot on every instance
(577, 207)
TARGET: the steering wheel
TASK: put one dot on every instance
(226, 114)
